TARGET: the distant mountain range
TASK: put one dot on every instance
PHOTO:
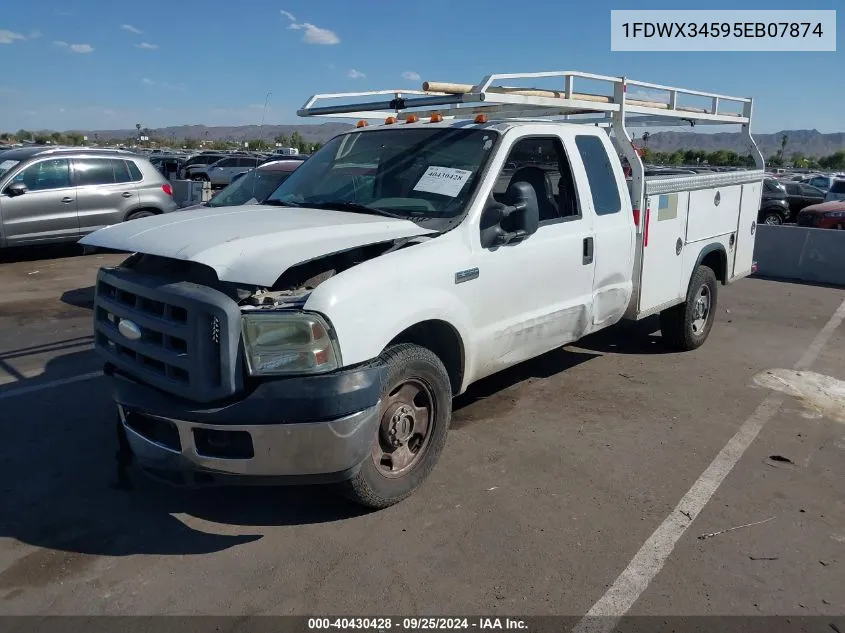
(808, 142)
(312, 133)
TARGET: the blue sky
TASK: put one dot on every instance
(99, 64)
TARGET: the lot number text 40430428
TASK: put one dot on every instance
(416, 624)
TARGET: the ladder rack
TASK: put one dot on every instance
(491, 97)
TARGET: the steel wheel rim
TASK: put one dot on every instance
(405, 429)
(771, 220)
(700, 310)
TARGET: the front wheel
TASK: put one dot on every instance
(415, 411)
(685, 327)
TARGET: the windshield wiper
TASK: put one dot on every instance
(354, 207)
(281, 203)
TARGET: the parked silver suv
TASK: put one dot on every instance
(59, 194)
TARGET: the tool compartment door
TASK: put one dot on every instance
(746, 230)
(662, 244)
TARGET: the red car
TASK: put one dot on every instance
(827, 215)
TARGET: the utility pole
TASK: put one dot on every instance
(263, 117)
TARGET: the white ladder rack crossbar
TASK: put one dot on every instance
(467, 100)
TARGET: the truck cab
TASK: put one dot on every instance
(320, 337)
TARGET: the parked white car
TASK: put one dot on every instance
(221, 173)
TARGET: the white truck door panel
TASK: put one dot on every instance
(532, 297)
(663, 245)
(746, 229)
(712, 212)
(600, 181)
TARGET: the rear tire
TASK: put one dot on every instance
(408, 441)
(685, 327)
(140, 214)
(772, 218)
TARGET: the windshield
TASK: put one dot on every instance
(6, 165)
(417, 172)
(251, 188)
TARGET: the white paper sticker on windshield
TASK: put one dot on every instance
(446, 181)
(8, 164)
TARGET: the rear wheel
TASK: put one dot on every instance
(772, 218)
(685, 327)
(140, 214)
(415, 411)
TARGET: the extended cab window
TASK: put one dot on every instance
(46, 174)
(542, 163)
(603, 186)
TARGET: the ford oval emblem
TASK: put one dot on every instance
(129, 330)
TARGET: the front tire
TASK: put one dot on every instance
(685, 327)
(415, 412)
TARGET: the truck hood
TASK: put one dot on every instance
(252, 244)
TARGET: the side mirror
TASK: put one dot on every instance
(508, 224)
(16, 189)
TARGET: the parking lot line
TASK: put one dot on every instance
(49, 385)
(605, 614)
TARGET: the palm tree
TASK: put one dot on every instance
(784, 139)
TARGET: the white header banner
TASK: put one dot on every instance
(723, 30)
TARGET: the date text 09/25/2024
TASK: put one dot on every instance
(415, 624)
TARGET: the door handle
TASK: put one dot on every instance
(588, 251)
(67, 200)
(126, 194)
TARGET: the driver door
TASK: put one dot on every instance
(535, 295)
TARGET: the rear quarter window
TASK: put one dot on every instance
(121, 171)
(838, 186)
(603, 186)
(134, 172)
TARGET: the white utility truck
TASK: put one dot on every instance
(321, 337)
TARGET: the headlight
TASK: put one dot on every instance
(288, 343)
(835, 214)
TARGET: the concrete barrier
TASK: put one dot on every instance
(796, 252)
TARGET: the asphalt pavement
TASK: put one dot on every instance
(585, 479)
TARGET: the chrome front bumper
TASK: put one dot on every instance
(302, 449)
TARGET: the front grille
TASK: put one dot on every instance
(179, 337)
(808, 219)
